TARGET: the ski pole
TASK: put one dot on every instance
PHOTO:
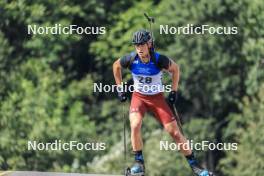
(151, 21)
(176, 114)
(124, 134)
(127, 169)
(178, 119)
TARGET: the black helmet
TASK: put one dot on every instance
(140, 37)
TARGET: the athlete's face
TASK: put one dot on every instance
(143, 50)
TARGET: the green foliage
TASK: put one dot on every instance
(46, 83)
(215, 68)
(247, 130)
(37, 108)
(41, 97)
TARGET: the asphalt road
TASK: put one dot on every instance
(33, 173)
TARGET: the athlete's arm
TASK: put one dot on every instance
(123, 62)
(175, 71)
(117, 72)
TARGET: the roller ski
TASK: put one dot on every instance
(199, 171)
(138, 169)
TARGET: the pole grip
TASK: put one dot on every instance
(146, 15)
(150, 19)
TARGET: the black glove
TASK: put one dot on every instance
(122, 96)
(173, 96)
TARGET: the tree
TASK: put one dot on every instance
(38, 109)
(247, 130)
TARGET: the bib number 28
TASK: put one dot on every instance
(146, 80)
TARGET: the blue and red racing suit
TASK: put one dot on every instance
(148, 87)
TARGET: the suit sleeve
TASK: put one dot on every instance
(164, 62)
(125, 61)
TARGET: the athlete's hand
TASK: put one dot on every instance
(122, 96)
(173, 96)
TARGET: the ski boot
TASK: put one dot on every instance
(138, 169)
(199, 171)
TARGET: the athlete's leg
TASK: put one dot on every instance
(137, 110)
(164, 114)
(173, 129)
(135, 125)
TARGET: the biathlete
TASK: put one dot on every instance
(146, 67)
